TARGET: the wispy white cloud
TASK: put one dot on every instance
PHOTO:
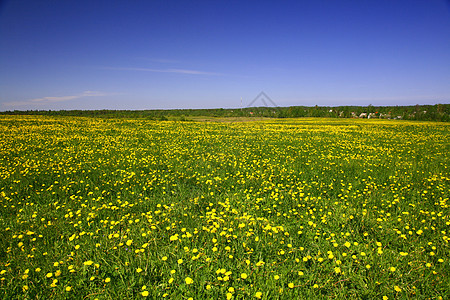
(179, 71)
(53, 99)
(160, 60)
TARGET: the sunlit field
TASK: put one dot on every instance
(281, 209)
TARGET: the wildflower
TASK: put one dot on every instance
(392, 269)
(244, 276)
(144, 293)
(68, 288)
(258, 295)
(188, 280)
(55, 281)
(88, 263)
(108, 280)
(397, 288)
(291, 285)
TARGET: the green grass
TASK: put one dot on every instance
(305, 208)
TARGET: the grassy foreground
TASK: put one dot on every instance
(290, 209)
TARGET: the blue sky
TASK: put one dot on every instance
(208, 54)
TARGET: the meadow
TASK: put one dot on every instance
(96, 208)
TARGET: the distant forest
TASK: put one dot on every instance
(438, 112)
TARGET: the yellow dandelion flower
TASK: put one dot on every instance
(88, 263)
(188, 280)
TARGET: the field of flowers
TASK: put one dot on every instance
(291, 209)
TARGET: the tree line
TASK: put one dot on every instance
(438, 112)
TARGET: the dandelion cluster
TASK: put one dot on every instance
(301, 208)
